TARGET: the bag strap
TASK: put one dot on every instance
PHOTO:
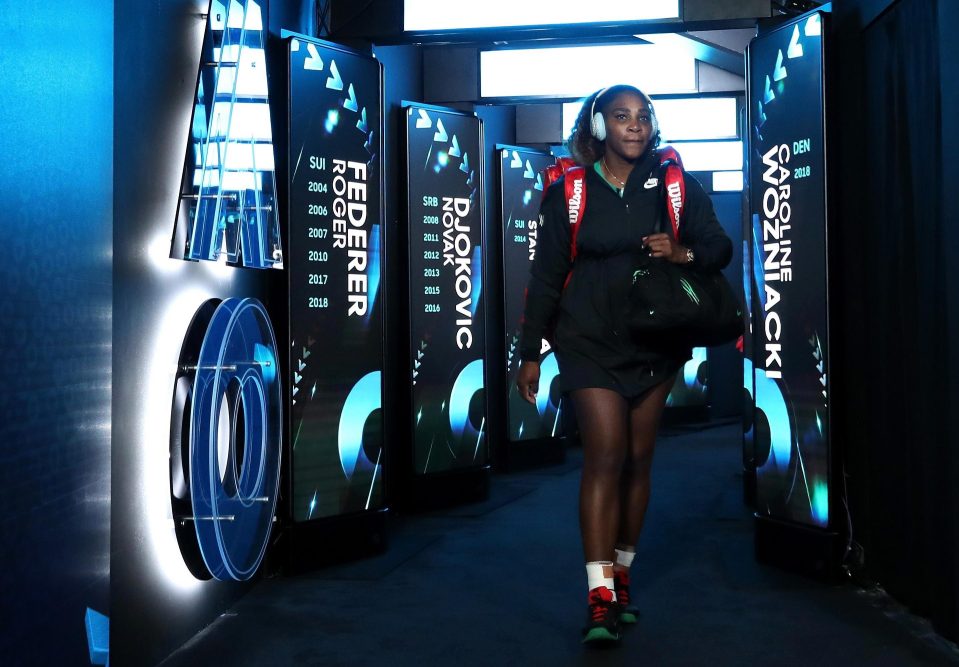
(575, 185)
(671, 166)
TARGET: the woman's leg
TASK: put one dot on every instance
(644, 416)
(602, 416)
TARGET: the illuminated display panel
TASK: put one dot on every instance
(444, 164)
(335, 264)
(689, 388)
(688, 118)
(420, 15)
(521, 191)
(228, 196)
(789, 353)
(577, 71)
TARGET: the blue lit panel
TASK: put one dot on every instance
(420, 15)
(520, 193)
(334, 264)
(228, 205)
(789, 307)
(444, 163)
(579, 71)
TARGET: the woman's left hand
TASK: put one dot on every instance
(663, 245)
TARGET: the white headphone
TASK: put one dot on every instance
(597, 124)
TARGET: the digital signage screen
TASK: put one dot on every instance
(335, 263)
(444, 164)
(521, 191)
(789, 356)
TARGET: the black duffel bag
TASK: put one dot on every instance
(682, 305)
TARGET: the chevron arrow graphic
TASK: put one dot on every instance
(423, 120)
(440, 134)
(350, 102)
(795, 48)
(313, 60)
(780, 72)
(334, 82)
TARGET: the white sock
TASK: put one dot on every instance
(600, 573)
(624, 556)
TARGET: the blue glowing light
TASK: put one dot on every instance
(468, 382)
(234, 393)
(477, 282)
(373, 275)
(332, 119)
(548, 371)
(364, 399)
(769, 399)
(820, 502)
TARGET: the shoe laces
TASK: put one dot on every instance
(600, 600)
(621, 577)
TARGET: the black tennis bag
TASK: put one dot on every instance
(680, 305)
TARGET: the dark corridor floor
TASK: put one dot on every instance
(502, 583)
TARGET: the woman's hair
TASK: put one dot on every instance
(583, 146)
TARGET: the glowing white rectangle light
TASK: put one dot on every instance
(727, 181)
(578, 71)
(682, 119)
(249, 121)
(420, 15)
(697, 118)
(710, 155)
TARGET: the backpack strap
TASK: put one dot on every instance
(672, 168)
(575, 185)
(553, 172)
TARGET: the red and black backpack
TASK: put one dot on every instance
(671, 166)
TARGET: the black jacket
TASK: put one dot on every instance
(588, 314)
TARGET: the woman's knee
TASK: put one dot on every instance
(605, 461)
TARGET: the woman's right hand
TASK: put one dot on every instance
(527, 380)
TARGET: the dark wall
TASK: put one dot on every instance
(725, 379)
(403, 75)
(499, 127)
(894, 289)
(55, 274)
